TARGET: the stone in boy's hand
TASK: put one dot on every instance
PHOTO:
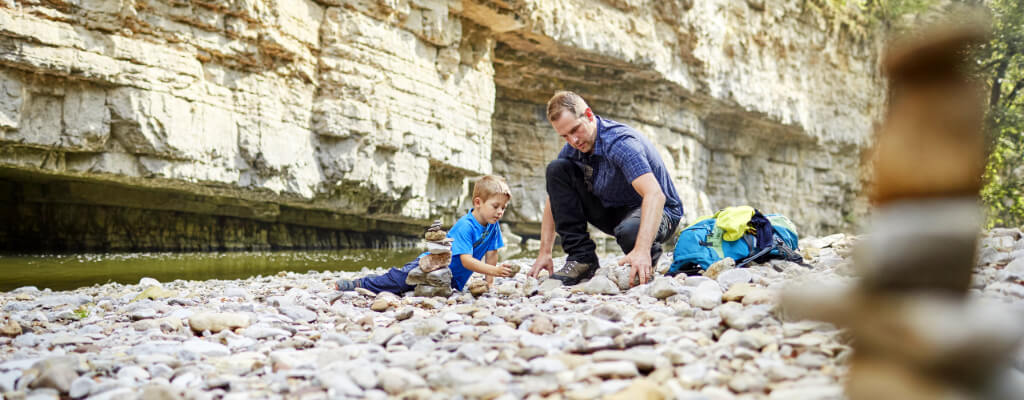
(505, 270)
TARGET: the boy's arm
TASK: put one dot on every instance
(478, 266)
(491, 258)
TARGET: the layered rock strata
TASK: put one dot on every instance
(360, 113)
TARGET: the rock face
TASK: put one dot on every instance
(334, 123)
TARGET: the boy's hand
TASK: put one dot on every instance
(503, 270)
(542, 263)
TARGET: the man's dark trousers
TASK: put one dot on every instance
(573, 206)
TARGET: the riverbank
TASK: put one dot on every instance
(279, 337)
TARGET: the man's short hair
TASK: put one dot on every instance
(565, 101)
(491, 185)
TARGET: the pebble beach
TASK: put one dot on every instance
(281, 337)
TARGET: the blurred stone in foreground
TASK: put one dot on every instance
(915, 333)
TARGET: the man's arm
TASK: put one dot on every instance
(651, 209)
(547, 241)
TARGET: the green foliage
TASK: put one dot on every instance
(83, 311)
(1001, 64)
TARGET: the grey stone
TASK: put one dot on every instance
(145, 313)
(236, 292)
(548, 285)
(733, 276)
(261, 331)
(398, 380)
(81, 387)
(664, 287)
(600, 285)
(746, 317)
(707, 296)
(609, 312)
(297, 313)
(441, 277)
(593, 327)
(428, 290)
(366, 378)
(404, 314)
(746, 382)
(204, 348)
(55, 373)
(133, 372)
(610, 369)
(216, 322)
(416, 276)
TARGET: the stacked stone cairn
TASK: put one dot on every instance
(917, 333)
(433, 277)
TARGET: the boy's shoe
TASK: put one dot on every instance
(574, 272)
(346, 285)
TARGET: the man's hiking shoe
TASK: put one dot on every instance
(574, 272)
(346, 285)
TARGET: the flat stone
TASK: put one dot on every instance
(746, 317)
(297, 313)
(384, 301)
(746, 382)
(733, 276)
(216, 322)
(81, 387)
(541, 325)
(55, 373)
(718, 267)
(737, 292)
(608, 312)
(10, 329)
(600, 285)
(707, 296)
(398, 380)
(645, 360)
(663, 287)
(205, 348)
(593, 327)
(428, 290)
(639, 389)
(147, 282)
(548, 285)
(477, 288)
(610, 369)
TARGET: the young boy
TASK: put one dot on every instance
(475, 237)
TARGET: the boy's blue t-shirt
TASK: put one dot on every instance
(469, 237)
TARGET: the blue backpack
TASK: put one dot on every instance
(702, 244)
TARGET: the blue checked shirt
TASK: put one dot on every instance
(621, 155)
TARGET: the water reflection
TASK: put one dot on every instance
(69, 271)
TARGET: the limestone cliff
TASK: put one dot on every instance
(337, 123)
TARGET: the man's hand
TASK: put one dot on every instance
(639, 261)
(542, 263)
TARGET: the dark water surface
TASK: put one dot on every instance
(70, 271)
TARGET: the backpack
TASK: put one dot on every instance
(760, 238)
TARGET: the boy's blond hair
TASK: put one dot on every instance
(491, 185)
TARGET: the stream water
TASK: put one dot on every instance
(69, 271)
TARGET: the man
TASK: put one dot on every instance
(610, 176)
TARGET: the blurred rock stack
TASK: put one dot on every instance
(433, 277)
(916, 332)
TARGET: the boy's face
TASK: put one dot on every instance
(491, 209)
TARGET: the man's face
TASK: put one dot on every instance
(579, 132)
